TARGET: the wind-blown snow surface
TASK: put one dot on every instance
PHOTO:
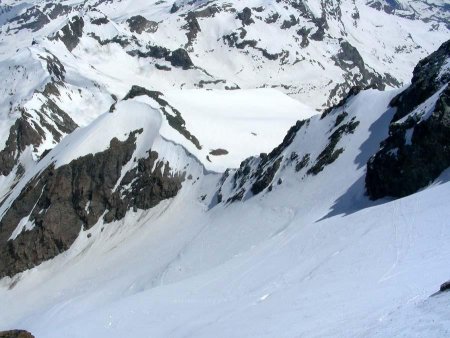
(275, 265)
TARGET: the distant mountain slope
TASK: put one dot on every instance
(67, 62)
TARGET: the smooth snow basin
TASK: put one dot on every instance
(242, 122)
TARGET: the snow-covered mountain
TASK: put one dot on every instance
(66, 63)
(210, 168)
(78, 58)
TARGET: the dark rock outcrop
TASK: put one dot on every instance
(304, 33)
(425, 82)
(356, 73)
(415, 153)
(349, 58)
(272, 18)
(207, 12)
(265, 177)
(162, 67)
(289, 23)
(156, 52)
(192, 26)
(174, 8)
(177, 58)
(246, 17)
(218, 152)
(21, 135)
(25, 133)
(56, 10)
(33, 18)
(260, 171)
(180, 58)
(122, 41)
(445, 287)
(59, 202)
(54, 67)
(417, 149)
(71, 33)
(16, 334)
(330, 154)
(389, 6)
(139, 24)
(322, 25)
(172, 115)
(100, 21)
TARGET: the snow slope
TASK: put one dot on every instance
(296, 282)
(285, 263)
(242, 122)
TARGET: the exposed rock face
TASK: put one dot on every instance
(139, 24)
(330, 153)
(304, 33)
(180, 58)
(37, 16)
(445, 287)
(289, 23)
(349, 58)
(417, 150)
(259, 171)
(33, 19)
(425, 82)
(322, 26)
(177, 58)
(122, 41)
(23, 133)
(415, 153)
(59, 202)
(172, 115)
(71, 33)
(174, 8)
(55, 67)
(265, 176)
(100, 21)
(246, 17)
(16, 334)
(357, 73)
(192, 26)
(156, 52)
(389, 6)
(218, 152)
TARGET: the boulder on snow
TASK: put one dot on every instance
(445, 286)
(16, 334)
(174, 8)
